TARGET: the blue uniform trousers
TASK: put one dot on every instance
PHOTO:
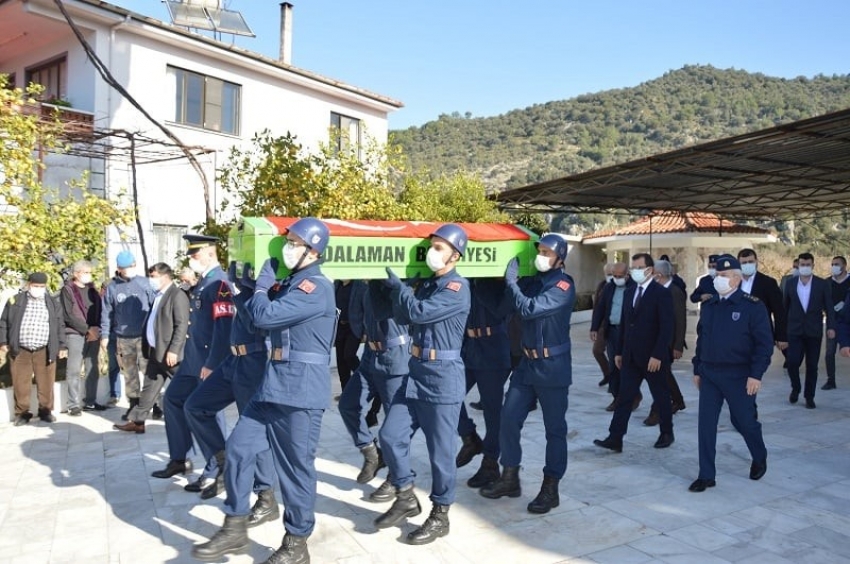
(356, 400)
(438, 422)
(730, 384)
(553, 405)
(292, 434)
(176, 426)
(491, 388)
(235, 380)
(631, 377)
(798, 347)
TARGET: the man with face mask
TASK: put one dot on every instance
(211, 313)
(125, 306)
(766, 289)
(598, 335)
(705, 288)
(840, 284)
(808, 299)
(285, 414)
(733, 350)
(32, 332)
(644, 353)
(431, 394)
(544, 302)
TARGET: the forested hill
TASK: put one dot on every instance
(691, 105)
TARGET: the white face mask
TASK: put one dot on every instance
(130, 273)
(196, 266)
(749, 268)
(638, 275)
(38, 293)
(434, 260)
(721, 284)
(84, 279)
(836, 270)
(712, 272)
(292, 254)
(619, 282)
(542, 263)
(609, 277)
(155, 283)
(805, 271)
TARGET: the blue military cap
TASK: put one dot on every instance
(196, 242)
(713, 258)
(727, 262)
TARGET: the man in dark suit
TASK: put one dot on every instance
(807, 299)
(643, 353)
(766, 289)
(165, 329)
(705, 287)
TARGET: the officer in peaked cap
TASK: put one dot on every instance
(211, 313)
(734, 346)
(705, 288)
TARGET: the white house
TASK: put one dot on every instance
(211, 95)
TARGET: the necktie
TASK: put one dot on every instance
(638, 297)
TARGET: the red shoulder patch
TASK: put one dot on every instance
(454, 286)
(223, 309)
(306, 286)
(563, 285)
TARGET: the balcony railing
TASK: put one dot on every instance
(76, 125)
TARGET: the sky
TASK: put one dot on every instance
(490, 57)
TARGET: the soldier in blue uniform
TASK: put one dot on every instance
(544, 303)
(381, 371)
(734, 346)
(705, 285)
(234, 380)
(285, 414)
(211, 313)
(430, 395)
(487, 359)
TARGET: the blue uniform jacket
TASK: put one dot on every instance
(436, 311)
(704, 286)
(125, 307)
(211, 312)
(301, 320)
(734, 332)
(486, 345)
(380, 327)
(544, 303)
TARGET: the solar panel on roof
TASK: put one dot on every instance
(229, 21)
(206, 14)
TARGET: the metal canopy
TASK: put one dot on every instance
(798, 169)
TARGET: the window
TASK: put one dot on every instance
(204, 101)
(347, 130)
(53, 75)
(168, 243)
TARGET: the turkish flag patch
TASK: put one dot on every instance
(454, 286)
(223, 309)
(563, 285)
(306, 286)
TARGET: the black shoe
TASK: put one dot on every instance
(548, 497)
(470, 448)
(603, 382)
(385, 492)
(405, 505)
(507, 485)
(197, 485)
(610, 443)
(486, 475)
(758, 469)
(700, 485)
(173, 468)
(476, 405)
(652, 419)
(434, 527)
(794, 397)
(810, 403)
(293, 550)
(217, 485)
(156, 413)
(371, 419)
(664, 440)
(231, 538)
(830, 385)
(94, 407)
(75, 412)
(678, 406)
(23, 418)
(46, 416)
(372, 462)
(265, 509)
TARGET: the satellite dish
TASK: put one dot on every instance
(207, 15)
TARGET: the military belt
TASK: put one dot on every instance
(417, 351)
(478, 332)
(379, 346)
(246, 349)
(545, 352)
(281, 354)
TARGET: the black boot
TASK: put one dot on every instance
(293, 550)
(156, 413)
(265, 508)
(372, 462)
(385, 492)
(405, 505)
(472, 446)
(434, 527)
(231, 538)
(217, 486)
(506, 485)
(830, 384)
(486, 475)
(133, 403)
(548, 497)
